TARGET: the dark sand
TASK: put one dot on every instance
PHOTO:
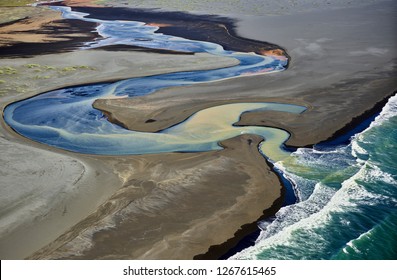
(215, 29)
(338, 73)
(217, 176)
(176, 206)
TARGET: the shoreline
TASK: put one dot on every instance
(216, 252)
(356, 121)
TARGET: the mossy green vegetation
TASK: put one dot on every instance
(16, 3)
(8, 70)
(52, 69)
(32, 65)
(75, 68)
(18, 79)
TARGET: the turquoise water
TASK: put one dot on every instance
(347, 195)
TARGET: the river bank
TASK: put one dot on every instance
(52, 172)
(327, 66)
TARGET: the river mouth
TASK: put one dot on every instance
(65, 118)
(346, 192)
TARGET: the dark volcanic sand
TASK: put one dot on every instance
(339, 73)
(219, 30)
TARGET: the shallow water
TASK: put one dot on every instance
(347, 199)
(65, 118)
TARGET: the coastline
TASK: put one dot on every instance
(247, 231)
(298, 126)
(218, 251)
(356, 121)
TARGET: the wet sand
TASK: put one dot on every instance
(176, 206)
(172, 203)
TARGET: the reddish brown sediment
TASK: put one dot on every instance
(25, 29)
(82, 3)
(39, 30)
(159, 24)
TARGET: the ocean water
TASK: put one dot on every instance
(346, 192)
(347, 199)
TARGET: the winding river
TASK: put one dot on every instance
(346, 192)
(66, 119)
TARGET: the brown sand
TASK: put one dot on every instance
(22, 25)
(175, 206)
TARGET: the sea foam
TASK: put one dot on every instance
(344, 203)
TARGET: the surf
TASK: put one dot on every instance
(347, 198)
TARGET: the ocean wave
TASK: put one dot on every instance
(376, 243)
(388, 111)
(343, 193)
(352, 243)
(318, 220)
